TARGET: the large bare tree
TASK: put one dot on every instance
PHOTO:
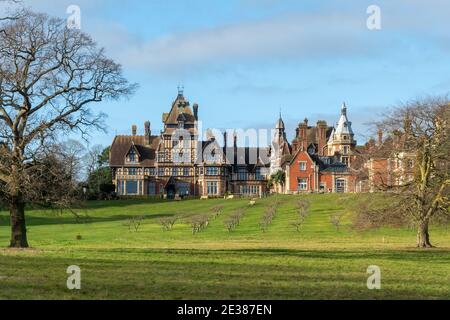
(49, 77)
(417, 172)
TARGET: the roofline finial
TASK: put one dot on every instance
(344, 108)
(180, 90)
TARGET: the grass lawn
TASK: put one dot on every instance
(319, 262)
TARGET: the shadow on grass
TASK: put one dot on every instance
(68, 219)
(186, 274)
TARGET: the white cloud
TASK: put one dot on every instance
(282, 38)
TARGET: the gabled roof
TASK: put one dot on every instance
(180, 110)
(122, 145)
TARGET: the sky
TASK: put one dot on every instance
(243, 61)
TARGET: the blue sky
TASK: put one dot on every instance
(243, 60)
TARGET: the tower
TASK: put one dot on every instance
(342, 140)
(280, 147)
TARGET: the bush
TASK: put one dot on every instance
(216, 211)
(234, 220)
(134, 223)
(167, 223)
(199, 223)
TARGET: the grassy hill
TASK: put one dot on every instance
(319, 262)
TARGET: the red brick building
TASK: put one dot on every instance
(322, 158)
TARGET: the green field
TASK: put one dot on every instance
(319, 262)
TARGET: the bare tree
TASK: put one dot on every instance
(49, 76)
(336, 220)
(199, 223)
(167, 223)
(302, 212)
(134, 223)
(418, 172)
(92, 158)
(234, 220)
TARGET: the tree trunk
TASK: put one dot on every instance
(18, 226)
(423, 237)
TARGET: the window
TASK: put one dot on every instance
(302, 165)
(249, 190)
(183, 188)
(340, 185)
(410, 164)
(132, 157)
(174, 171)
(346, 150)
(152, 172)
(160, 157)
(132, 171)
(186, 172)
(302, 184)
(120, 187)
(132, 187)
(212, 171)
(151, 190)
(258, 174)
(242, 174)
(345, 161)
(212, 188)
(161, 172)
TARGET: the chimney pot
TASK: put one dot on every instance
(195, 111)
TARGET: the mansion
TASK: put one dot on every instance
(176, 163)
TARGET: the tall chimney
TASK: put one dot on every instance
(225, 137)
(148, 132)
(195, 111)
(380, 137)
(134, 130)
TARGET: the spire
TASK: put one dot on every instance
(280, 123)
(180, 90)
(344, 109)
(344, 126)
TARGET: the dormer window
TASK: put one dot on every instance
(132, 156)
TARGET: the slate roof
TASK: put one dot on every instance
(122, 144)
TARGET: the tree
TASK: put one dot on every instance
(100, 178)
(277, 179)
(49, 77)
(419, 143)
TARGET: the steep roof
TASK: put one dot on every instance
(344, 125)
(122, 144)
(180, 110)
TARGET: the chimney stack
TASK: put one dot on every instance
(195, 111)
(225, 137)
(148, 132)
(380, 137)
(134, 130)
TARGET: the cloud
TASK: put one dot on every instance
(292, 37)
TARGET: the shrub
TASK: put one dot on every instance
(336, 220)
(267, 218)
(216, 211)
(234, 220)
(134, 223)
(167, 223)
(199, 223)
